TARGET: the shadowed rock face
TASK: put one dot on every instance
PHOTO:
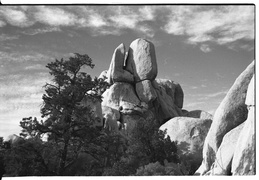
(174, 91)
(190, 134)
(198, 114)
(231, 112)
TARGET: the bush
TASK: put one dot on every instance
(151, 169)
(156, 169)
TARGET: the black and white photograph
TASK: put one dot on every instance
(132, 89)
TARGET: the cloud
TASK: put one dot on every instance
(200, 25)
(96, 20)
(15, 17)
(219, 24)
(204, 86)
(146, 31)
(22, 57)
(41, 30)
(193, 104)
(35, 67)
(193, 87)
(213, 95)
(55, 16)
(147, 13)
(205, 48)
(6, 37)
(2, 23)
(27, 94)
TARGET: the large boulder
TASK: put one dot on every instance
(116, 72)
(121, 95)
(164, 106)
(231, 112)
(174, 90)
(141, 60)
(225, 153)
(244, 156)
(190, 134)
(198, 114)
(145, 91)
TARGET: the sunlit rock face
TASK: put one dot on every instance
(190, 134)
(141, 60)
(231, 113)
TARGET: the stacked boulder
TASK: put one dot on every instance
(135, 92)
(229, 145)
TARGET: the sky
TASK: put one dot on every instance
(203, 48)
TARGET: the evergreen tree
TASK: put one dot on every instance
(69, 124)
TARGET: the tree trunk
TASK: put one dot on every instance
(63, 159)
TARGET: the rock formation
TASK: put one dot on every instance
(197, 114)
(141, 60)
(231, 112)
(116, 72)
(134, 91)
(225, 153)
(244, 156)
(135, 94)
(190, 134)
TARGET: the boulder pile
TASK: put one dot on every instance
(134, 89)
(136, 94)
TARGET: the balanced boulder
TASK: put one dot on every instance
(141, 60)
(116, 72)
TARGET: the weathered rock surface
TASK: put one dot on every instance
(120, 94)
(145, 91)
(190, 134)
(174, 90)
(164, 107)
(198, 114)
(116, 72)
(141, 60)
(244, 156)
(110, 117)
(225, 153)
(231, 112)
